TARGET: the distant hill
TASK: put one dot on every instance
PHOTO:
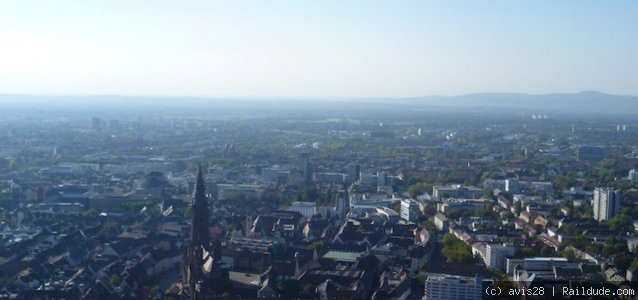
(589, 102)
(584, 102)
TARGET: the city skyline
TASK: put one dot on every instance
(416, 150)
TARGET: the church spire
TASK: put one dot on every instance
(200, 212)
(199, 240)
(200, 190)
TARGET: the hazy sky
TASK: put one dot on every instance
(317, 48)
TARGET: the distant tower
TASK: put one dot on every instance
(306, 168)
(354, 173)
(606, 203)
(382, 178)
(97, 124)
(341, 203)
(198, 238)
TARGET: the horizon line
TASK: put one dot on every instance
(307, 98)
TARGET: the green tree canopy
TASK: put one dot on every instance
(455, 250)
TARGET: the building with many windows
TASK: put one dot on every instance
(496, 255)
(354, 173)
(447, 287)
(229, 191)
(606, 203)
(536, 264)
(516, 186)
(329, 178)
(306, 209)
(457, 191)
(410, 210)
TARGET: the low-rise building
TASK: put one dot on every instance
(441, 222)
(229, 191)
(457, 191)
(306, 209)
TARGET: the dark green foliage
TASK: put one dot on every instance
(485, 212)
(621, 223)
(455, 250)
(318, 245)
(429, 226)
(525, 252)
(115, 280)
(156, 180)
(569, 254)
(419, 189)
(579, 242)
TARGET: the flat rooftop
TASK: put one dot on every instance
(342, 256)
